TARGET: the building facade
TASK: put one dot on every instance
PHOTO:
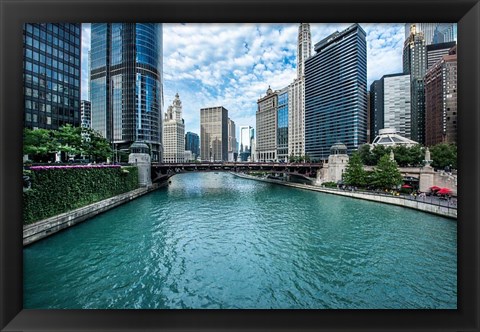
(51, 71)
(396, 103)
(214, 134)
(336, 93)
(126, 89)
(232, 141)
(266, 116)
(174, 133)
(192, 143)
(86, 114)
(376, 108)
(435, 52)
(434, 32)
(441, 101)
(246, 139)
(415, 64)
(282, 125)
(296, 94)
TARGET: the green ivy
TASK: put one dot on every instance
(56, 191)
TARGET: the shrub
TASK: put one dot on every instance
(329, 184)
(59, 189)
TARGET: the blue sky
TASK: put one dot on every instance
(232, 65)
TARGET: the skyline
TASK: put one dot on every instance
(232, 65)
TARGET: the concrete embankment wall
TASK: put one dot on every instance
(444, 211)
(41, 229)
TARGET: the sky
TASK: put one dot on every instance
(232, 65)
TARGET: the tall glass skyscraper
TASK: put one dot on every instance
(192, 143)
(282, 125)
(415, 64)
(434, 33)
(336, 93)
(126, 92)
(51, 69)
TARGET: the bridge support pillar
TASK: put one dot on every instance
(427, 175)
(141, 158)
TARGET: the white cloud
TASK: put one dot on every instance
(233, 64)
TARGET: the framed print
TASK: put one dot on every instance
(224, 252)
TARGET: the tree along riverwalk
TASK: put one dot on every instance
(432, 205)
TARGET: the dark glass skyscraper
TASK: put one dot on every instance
(415, 64)
(376, 108)
(192, 143)
(126, 84)
(51, 68)
(336, 93)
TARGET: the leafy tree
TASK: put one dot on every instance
(354, 174)
(39, 144)
(69, 140)
(416, 155)
(378, 152)
(402, 156)
(386, 174)
(95, 145)
(366, 155)
(443, 155)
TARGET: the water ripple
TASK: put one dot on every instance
(217, 241)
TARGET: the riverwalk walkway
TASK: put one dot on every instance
(429, 204)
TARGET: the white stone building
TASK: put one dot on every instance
(296, 94)
(174, 133)
(396, 103)
(266, 119)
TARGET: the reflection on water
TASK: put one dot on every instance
(218, 241)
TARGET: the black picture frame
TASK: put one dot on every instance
(14, 13)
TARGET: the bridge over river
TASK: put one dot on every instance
(162, 171)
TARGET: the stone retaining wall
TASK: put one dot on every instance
(41, 229)
(449, 212)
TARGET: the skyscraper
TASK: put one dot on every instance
(282, 125)
(441, 101)
(246, 140)
(214, 134)
(376, 108)
(434, 32)
(435, 52)
(415, 64)
(86, 113)
(296, 94)
(336, 93)
(126, 84)
(192, 143)
(174, 133)
(232, 141)
(51, 69)
(266, 119)
(396, 103)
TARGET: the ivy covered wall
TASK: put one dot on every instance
(58, 189)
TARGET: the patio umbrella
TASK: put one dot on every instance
(406, 186)
(444, 191)
(435, 188)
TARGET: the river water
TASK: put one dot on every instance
(218, 241)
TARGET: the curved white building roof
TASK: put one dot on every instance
(389, 137)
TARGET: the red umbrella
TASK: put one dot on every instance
(406, 186)
(444, 191)
(435, 188)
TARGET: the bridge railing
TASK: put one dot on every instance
(433, 200)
